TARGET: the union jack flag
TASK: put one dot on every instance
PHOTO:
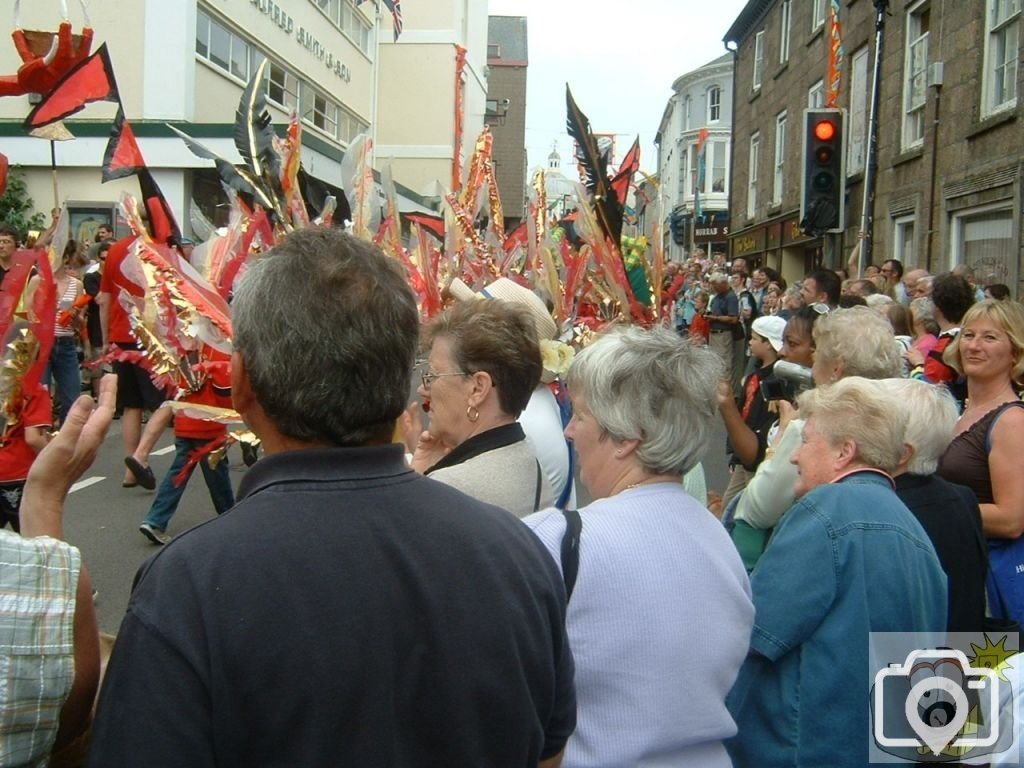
(395, 6)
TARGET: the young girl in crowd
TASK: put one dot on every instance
(700, 328)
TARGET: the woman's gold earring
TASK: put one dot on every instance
(472, 414)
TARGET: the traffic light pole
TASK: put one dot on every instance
(867, 222)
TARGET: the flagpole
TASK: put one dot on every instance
(374, 96)
(867, 223)
(53, 170)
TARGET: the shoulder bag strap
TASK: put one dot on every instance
(571, 549)
(536, 495)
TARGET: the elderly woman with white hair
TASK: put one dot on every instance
(660, 613)
(846, 560)
(948, 512)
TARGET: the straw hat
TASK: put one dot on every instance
(511, 291)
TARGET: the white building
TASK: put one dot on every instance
(701, 100)
(185, 62)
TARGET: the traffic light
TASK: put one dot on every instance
(823, 181)
(676, 224)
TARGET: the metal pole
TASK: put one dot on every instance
(375, 81)
(53, 170)
(867, 221)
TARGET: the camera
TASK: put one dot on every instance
(928, 699)
(786, 382)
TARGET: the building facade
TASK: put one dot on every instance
(186, 62)
(507, 62)
(949, 170)
(694, 143)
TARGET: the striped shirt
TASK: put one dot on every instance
(38, 580)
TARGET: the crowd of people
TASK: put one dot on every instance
(399, 583)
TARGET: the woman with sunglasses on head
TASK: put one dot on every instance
(484, 363)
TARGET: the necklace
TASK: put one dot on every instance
(999, 397)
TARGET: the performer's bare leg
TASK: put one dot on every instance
(144, 445)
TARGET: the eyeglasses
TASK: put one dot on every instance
(427, 377)
(820, 308)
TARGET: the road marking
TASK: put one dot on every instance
(162, 451)
(86, 483)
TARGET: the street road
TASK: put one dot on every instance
(102, 519)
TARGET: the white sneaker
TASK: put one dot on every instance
(157, 537)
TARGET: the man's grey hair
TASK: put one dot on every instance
(327, 328)
(931, 418)
(649, 385)
(862, 340)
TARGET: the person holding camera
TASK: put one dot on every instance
(748, 419)
(846, 560)
(847, 342)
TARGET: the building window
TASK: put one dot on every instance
(787, 17)
(218, 45)
(857, 136)
(903, 242)
(755, 153)
(780, 157)
(816, 95)
(1001, 47)
(235, 56)
(717, 162)
(758, 59)
(684, 171)
(915, 75)
(818, 15)
(282, 86)
(493, 51)
(686, 113)
(714, 104)
(983, 239)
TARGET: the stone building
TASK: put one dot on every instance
(507, 61)
(949, 168)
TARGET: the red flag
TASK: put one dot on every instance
(123, 156)
(161, 218)
(630, 163)
(3, 173)
(433, 224)
(91, 80)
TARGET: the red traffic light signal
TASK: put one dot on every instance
(824, 130)
(823, 187)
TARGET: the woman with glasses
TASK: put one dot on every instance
(483, 365)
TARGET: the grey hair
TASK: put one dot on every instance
(858, 409)
(931, 418)
(327, 329)
(649, 385)
(862, 340)
(923, 311)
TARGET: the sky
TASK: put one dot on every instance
(620, 60)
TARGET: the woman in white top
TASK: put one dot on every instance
(660, 616)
